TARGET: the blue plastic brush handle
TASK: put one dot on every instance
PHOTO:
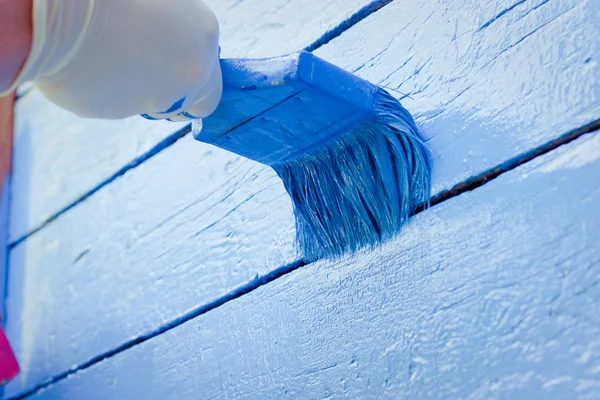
(274, 107)
(275, 79)
(297, 69)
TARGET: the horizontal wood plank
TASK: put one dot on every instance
(491, 295)
(194, 223)
(59, 158)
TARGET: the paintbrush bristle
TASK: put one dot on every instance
(349, 154)
(358, 189)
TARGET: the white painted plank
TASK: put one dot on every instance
(487, 80)
(145, 254)
(491, 295)
(59, 157)
(269, 28)
(192, 223)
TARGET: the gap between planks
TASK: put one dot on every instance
(261, 280)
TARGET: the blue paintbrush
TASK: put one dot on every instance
(350, 156)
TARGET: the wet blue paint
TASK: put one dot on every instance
(188, 115)
(350, 156)
(175, 106)
(149, 118)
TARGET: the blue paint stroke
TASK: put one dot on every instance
(175, 106)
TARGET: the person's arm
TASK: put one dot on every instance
(8, 363)
(113, 58)
(15, 39)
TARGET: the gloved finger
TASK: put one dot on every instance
(209, 100)
(205, 104)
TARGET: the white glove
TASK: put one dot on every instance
(116, 58)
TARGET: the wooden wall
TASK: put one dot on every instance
(146, 265)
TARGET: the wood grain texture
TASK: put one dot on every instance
(194, 223)
(59, 157)
(135, 273)
(491, 295)
(485, 82)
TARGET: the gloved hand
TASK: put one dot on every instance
(116, 58)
